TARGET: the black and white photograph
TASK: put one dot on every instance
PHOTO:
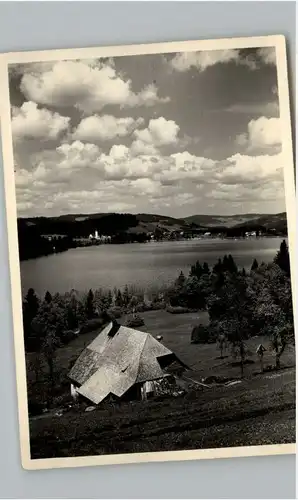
(150, 207)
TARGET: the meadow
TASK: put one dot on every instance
(259, 409)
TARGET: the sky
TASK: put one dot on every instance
(174, 134)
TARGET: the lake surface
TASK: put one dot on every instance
(144, 265)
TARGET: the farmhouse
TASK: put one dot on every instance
(124, 363)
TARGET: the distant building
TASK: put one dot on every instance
(51, 237)
(101, 238)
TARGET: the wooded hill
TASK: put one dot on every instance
(82, 225)
(128, 228)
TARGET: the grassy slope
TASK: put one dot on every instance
(255, 412)
(259, 410)
(220, 220)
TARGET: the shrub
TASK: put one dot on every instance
(91, 325)
(178, 310)
(202, 334)
(115, 312)
(67, 336)
(156, 306)
(142, 307)
(135, 322)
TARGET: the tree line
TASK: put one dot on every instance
(240, 305)
(65, 235)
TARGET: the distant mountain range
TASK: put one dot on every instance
(85, 224)
(269, 221)
(221, 220)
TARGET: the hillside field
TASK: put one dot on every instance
(260, 409)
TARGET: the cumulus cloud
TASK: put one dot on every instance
(160, 132)
(88, 86)
(183, 61)
(258, 195)
(105, 127)
(263, 133)
(77, 155)
(80, 176)
(245, 169)
(108, 159)
(202, 60)
(30, 122)
(267, 55)
(187, 167)
(56, 168)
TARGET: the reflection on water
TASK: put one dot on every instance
(139, 264)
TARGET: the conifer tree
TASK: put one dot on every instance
(282, 258)
(254, 265)
(90, 310)
(48, 297)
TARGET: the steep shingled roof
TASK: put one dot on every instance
(115, 360)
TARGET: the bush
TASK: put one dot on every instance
(135, 322)
(142, 307)
(91, 325)
(156, 306)
(115, 312)
(67, 337)
(202, 334)
(178, 310)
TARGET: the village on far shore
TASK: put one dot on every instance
(178, 235)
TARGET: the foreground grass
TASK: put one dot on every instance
(256, 412)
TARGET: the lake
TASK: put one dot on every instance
(144, 265)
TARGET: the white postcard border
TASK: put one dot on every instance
(277, 41)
